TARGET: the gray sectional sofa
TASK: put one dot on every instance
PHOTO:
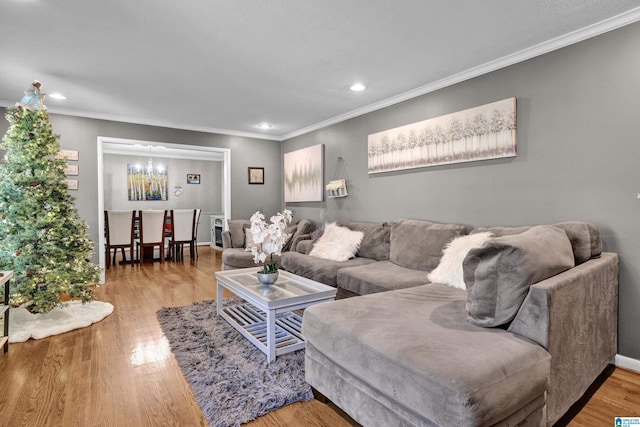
(406, 352)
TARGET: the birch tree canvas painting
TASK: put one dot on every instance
(147, 185)
(480, 133)
(303, 175)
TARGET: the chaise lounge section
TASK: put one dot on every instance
(431, 355)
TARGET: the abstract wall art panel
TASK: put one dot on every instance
(480, 133)
(304, 175)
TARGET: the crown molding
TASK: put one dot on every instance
(149, 122)
(568, 39)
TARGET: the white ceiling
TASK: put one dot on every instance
(225, 66)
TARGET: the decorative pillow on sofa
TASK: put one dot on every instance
(302, 227)
(449, 271)
(248, 240)
(236, 230)
(337, 243)
(376, 241)
(584, 237)
(499, 274)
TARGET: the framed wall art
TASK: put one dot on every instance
(143, 184)
(193, 178)
(71, 170)
(72, 184)
(256, 175)
(67, 154)
(304, 175)
(480, 133)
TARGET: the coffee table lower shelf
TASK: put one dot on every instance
(251, 322)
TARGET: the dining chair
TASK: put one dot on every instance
(152, 226)
(119, 230)
(183, 231)
(195, 238)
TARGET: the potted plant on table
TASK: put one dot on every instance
(268, 241)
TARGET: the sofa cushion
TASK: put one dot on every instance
(418, 244)
(415, 346)
(584, 237)
(379, 277)
(236, 229)
(375, 243)
(499, 274)
(290, 230)
(248, 240)
(318, 269)
(449, 270)
(302, 227)
(337, 243)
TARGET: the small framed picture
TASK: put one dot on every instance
(72, 184)
(193, 178)
(256, 175)
(67, 154)
(71, 170)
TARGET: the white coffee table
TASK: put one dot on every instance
(267, 319)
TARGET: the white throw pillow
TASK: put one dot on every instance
(248, 240)
(449, 270)
(337, 243)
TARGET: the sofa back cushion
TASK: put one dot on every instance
(236, 230)
(499, 274)
(584, 237)
(375, 243)
(295, 231)
(418, 244)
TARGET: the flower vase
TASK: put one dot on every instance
(267, 278)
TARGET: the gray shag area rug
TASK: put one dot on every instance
(231, 378)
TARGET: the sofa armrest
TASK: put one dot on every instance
(574, 315)
(226, 239)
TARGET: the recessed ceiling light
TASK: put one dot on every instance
(358, 87)
(265, 126)
(57, 96)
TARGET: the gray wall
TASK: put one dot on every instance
(578, 155)
(81, 134)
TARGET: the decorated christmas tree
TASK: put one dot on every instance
(42, 237)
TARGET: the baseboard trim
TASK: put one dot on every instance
(627, 363)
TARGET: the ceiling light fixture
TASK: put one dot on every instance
(358, 87)
(57, 96)
(265, 126)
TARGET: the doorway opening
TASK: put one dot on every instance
(159, 150)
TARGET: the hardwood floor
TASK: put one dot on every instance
(120, 371)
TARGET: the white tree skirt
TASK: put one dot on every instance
(72, 315)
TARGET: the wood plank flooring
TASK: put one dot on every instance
(120, 372)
